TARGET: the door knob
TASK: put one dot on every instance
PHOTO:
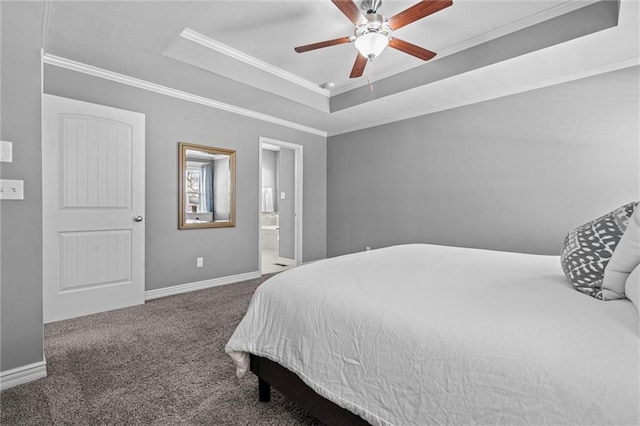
(138, 218)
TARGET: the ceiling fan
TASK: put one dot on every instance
(373, 31)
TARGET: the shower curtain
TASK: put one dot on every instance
(206, 189)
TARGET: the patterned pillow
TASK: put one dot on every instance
(588, 248)
(625, 258)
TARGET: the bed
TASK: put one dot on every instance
(422, 334)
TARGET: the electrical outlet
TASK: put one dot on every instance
(199, 262)
(367, 248)
(11, 189)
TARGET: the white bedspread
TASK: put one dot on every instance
(422, 334)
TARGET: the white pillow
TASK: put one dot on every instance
(632, 287)
(626, 256)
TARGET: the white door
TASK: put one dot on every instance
(93, 208)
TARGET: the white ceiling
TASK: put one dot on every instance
(269, 30)
(251, 43)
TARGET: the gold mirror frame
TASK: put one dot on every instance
(192, 220)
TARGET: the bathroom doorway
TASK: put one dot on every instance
(280, 205)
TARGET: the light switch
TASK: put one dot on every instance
(11, 189)
(282, 195)
(6, 152)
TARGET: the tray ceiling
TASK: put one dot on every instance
(482, 48)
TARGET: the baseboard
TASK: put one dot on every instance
(286, 261)
(199, 285)
(21, 375)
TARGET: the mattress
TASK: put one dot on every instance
(421, 334)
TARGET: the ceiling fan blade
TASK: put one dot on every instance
(322, 44)
(411, 49)
(417, 11)
(350, 10)
(358, 66)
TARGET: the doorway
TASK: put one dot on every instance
(280, 205)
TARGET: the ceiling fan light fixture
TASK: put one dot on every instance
(372, 32)
(371, 44)
(370, 6)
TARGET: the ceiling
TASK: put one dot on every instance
(240, 53)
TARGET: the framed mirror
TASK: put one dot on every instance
(207, 186)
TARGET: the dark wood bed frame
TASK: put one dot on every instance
(273, 374)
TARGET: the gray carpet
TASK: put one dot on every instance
(162, 363)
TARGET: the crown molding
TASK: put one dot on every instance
(167, 91)
(209, 43)
(494, 95)
(536, 18)
(44, 23)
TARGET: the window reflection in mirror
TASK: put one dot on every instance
(207, 186)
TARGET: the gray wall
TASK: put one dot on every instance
(515, 173)
(226, 251)
(21, 221)
(287, 180)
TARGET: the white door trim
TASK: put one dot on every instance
(298, 155)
